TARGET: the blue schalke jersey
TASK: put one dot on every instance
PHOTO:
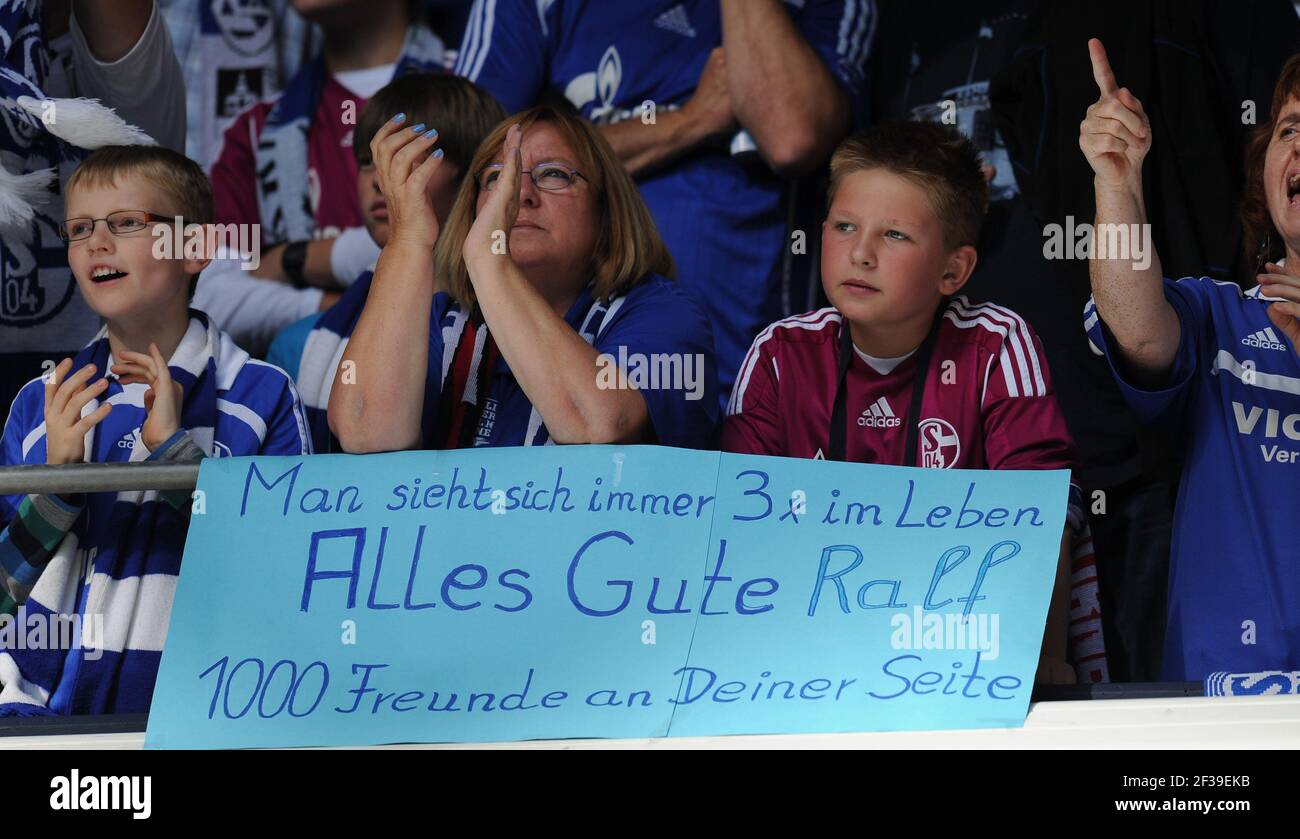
(1233, 397)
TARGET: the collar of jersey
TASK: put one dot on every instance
(889, 365)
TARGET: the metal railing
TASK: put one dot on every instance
(97, 477)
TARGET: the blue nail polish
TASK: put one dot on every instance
(431, 135)
(399, 119)
(438, 153)
(417, 128)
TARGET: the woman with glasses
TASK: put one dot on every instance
(541, 312)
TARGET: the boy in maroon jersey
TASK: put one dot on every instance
(901, 369)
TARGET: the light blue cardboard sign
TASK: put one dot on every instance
(904, 598)
(600, 591)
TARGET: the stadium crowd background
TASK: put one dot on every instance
(723, 116)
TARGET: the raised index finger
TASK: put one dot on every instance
(1101, 71)
(514, 139)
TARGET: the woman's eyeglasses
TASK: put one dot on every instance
(121, 223)
(550, 177)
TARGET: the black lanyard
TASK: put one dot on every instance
(923, 353)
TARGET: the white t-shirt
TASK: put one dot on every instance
(366, 83)
(144, 86)
(883, 366)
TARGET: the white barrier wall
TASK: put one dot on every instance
(1248, 722)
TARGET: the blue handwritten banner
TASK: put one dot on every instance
(600, 591)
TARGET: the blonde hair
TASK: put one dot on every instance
(180, 179)
(935, 157)
(174, 174)
(627, 247)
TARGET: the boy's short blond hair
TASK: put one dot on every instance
(935, 157)
(172, 173)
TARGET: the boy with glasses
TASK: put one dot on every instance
(159, 383)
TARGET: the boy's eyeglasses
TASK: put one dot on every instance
(121, 223)
(550, 177)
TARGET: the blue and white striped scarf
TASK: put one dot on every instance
(283, 200)
(121, 558)
(321, 355)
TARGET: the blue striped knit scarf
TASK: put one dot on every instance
(120, 561)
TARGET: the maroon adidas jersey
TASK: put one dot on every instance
(988, 401)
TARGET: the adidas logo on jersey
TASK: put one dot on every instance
(1265, 339)
(879, 415)
(675, 20)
